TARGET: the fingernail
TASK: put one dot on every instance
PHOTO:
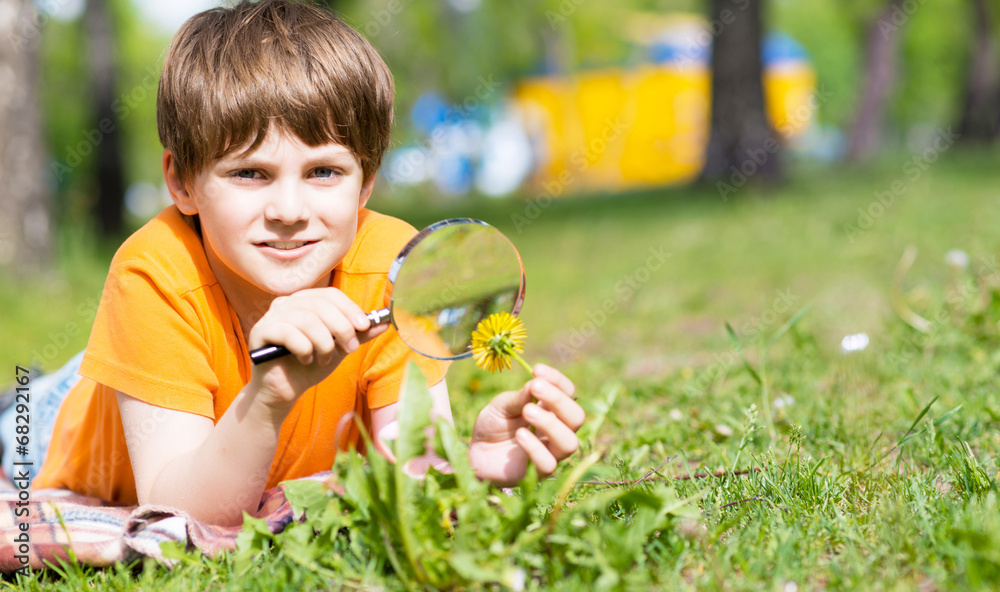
(353, 344)
(531, 411)
(362, 321)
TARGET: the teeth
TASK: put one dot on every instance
(285, 245)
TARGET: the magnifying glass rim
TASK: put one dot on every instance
(397, 264)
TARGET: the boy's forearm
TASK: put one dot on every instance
(225, 476)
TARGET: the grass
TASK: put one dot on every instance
(870, 470)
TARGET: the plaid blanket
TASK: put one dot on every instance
(56, 523)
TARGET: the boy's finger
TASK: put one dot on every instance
(292, 338)
(339, 328)
(557, 401)
(372, 333)
(317, 299)
(560, 439)
(359, 320)
(312, 325)
(288, 328)
(536, 451)
(555, 377)
(510, 403)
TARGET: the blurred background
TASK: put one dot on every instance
(664, 165)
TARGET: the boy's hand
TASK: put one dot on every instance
(502, 444)
(320, 327)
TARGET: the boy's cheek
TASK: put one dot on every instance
(210, 189)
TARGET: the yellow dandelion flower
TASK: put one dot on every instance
(498, 338)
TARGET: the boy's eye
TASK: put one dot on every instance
(246, 174)
(326, 172)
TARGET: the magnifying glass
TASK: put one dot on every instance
(448, 278)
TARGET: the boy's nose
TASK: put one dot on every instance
(286, 204)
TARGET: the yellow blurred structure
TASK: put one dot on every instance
(616, 129)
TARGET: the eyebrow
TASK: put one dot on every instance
(338, 156)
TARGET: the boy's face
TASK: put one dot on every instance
(278, 219)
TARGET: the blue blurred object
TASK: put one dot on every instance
(453, 174)
(407, 165)
(678, 49)
(506, 158)
(428, 112)
(779, 47)
(775, 49)
(453, 151)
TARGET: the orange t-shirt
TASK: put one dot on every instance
(166, 334)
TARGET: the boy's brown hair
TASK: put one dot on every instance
(230, 72)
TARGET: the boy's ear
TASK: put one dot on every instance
(366, 191)
(178, 191)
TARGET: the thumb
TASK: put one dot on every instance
(510, 403)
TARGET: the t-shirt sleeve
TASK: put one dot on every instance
(149, 343)
(385, 365)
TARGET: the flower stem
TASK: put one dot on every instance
(523, 363)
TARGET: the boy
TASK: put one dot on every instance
(274, 118)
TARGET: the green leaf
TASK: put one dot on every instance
(733, 338)
(473, 568)
(456, 452)
(306, 497)
(414, 415)
(923, 412)
(945, 417)
(414, 419)
(739, 349)
(176, 551)
(787, 326)
(253, 539)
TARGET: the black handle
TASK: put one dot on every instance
(268, 353)
(271, 352)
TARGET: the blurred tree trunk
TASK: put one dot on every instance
(110, 169)
(25, 211)
(881, 63)
(742, 143)
(981, 108)
(556, 51)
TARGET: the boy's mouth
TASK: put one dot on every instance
(286, 245)
(286, 250)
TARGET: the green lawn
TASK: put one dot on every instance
(871, 470)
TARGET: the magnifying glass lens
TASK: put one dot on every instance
(454, 277)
